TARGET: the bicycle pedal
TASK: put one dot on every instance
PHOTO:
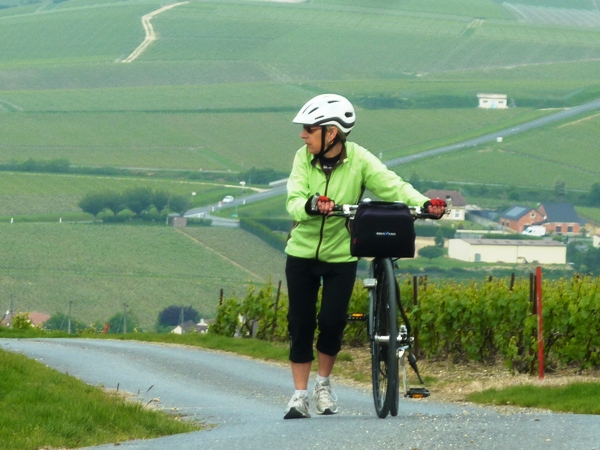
(417, 393)
(358, 317)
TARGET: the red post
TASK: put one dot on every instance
(540, 323)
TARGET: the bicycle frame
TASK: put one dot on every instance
(391, 349)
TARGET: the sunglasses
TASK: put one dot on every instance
(310, 129)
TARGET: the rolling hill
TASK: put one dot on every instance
(216, 92)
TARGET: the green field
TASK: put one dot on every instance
(99, 268)
(24, 193)
(217, 91)
(559, 152)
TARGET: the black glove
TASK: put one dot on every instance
(311, 204)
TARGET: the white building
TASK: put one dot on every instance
(492, 101)
(508, 251)
(596, 240)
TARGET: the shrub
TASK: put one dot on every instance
(431, 251)
(22, 322)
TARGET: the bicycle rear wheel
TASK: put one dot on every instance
(383, 335)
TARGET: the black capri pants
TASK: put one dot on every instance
(304, 278)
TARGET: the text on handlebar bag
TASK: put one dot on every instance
(383, 229)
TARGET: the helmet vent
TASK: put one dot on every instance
(327, 109)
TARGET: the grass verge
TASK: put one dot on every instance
(578, 398)
(42, 408)
(253, 348)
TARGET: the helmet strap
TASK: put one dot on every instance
(324, 150)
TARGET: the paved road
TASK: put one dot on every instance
(244, 400)
(561, 115)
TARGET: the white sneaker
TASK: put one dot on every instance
(297, 408)
(325, 399)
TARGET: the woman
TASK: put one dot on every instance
(319, 246)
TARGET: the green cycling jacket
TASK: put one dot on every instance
(327, 238)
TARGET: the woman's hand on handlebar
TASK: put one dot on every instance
(435, 207)
(320, 205)
(325, 205)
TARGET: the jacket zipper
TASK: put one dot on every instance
(324, 218)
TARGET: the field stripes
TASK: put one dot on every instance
(221, 255)
(6, 105)
(556, 16)
(149, 30)
(585, 119)
(99, 267)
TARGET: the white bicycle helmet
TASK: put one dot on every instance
(327, 109)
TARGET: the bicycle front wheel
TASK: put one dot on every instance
(383, 337)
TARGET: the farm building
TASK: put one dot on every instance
(560, 218)
(191, 327)
(518, 218)
(459, 203)
(179, 222)
(508, 251)
(596, 240)
(492, 101)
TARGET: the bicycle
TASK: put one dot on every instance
(387, 352)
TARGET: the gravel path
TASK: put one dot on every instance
(243, 401)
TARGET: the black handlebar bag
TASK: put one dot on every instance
(383, 229)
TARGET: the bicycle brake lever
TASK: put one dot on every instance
(313, 202)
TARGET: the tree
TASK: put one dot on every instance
(431, 252)
(160, 200)
(179, 204)
(22, 322)
(594, 197)
(560, 189)
(93, 203)
(574, 254)
(60, 322)
(591, 259)
(118, 322)
(139, 199)
(115, 202)
(171, 316)
(439, 238)
(261, 176)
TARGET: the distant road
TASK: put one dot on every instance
(527, 126)
(149, 30)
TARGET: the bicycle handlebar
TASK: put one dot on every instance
(349, 210)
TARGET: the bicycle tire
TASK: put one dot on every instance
(383, 334)
(395, 400)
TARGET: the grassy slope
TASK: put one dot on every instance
(42, 408)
